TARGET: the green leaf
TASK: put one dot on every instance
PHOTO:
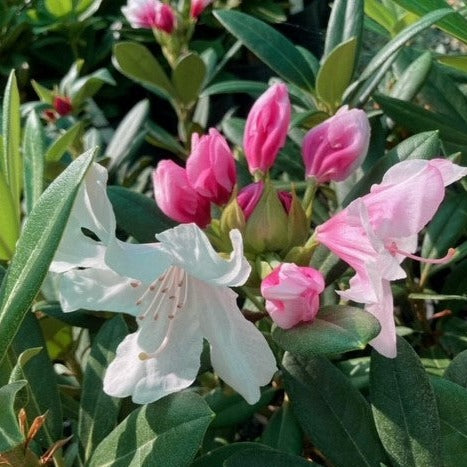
(270, 46)
(336, 73)
(424, 145)
(17, 372)
(98, 412)
(9, 224)
(216, 457)
(137, 214)
(417, 119)
(404, 408)
(44, 94)
(455, 61)
(345, 22)
(378, 12)
(188, 77)
(234, 86)
(136, 62)
(33, 154)
(36, 247)
(457, 370)
(58, 148)
(336, 329)
(265, 458)
(163, 139)
(455, 25)
(10, 162)
(89, 85)
(446, 228)
(231, 409)
(168, 432)
(332, 412)
(10, 434)
(283, 431)
(120, 144)
(330, 266)
(36, 372)
(452, 406)
(410, 82)
(59, 8)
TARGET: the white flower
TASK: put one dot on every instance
(179, 291)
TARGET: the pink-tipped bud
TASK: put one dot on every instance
(292, 294)
(211, 167)
(250, 195)
(62, 105)
(266, 128)
(197, 7)
(335, 148)
(150, 14)
(175, 196)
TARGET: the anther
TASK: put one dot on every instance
(164, 290)
(139, 301)
(135, 284)
(143, 356)
(171, 316)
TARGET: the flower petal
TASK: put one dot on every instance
(190, 249)
(240, 354)
(97, 289)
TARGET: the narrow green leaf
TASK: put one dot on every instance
(120, 144)
(270, 46)
(457, 370)
(234, 86)
(137, 214)
(58, 148)
(455, 61)
(33, 154)
(9, 223)
(89, 85)
(265, 458)
(345, 22)
(456, 24)
(381, 14)
(216, 457)
(163, 139)
(10, 162)
(332, 412)
(188, 77)
(336, 329)
(136, 62)
(98, 412)
(10, 434)
(17, 372)
(336, 72)
(417, 119)
(36, 247)
(168, 432)
(410, 82)
(44, 94)
(404, 408)
(452, 406)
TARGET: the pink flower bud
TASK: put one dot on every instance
(292, 294)
(250, 195)
(175, 196)
(62, 105)
(335, 148)
(266, 128)
(150, 14)
(211, 167)
(197, 7)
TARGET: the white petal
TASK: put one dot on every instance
(240, 354)
(142, 261)
(93, 211)
(98, 289)
(175, 368)
(192, 251)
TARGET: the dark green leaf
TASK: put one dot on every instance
(457, 370)
(328, 264)
(89, 85)
(266, 458)
(137, 214)
(217, 457)
(452, 407)
(188, 77)
(10, 434)
(233, 86)
(58, 148)
(9, 222)
(36, 247)
(165, 433)
(98, 412)
(336, 329)
(270, 46)
(332, 412)
(404, 408)
(163, 139)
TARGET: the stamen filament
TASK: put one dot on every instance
(393, 249)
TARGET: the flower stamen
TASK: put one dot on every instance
(393, 249)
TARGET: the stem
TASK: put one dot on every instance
(309, 196)
(258, 304)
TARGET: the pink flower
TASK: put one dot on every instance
(62, 104)
(150, 14)
(211, 167)
(197, 7)
(266, 128)
(175, 196)
(250, 195)
(292, 294)
(376, 232)
(335, 148)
